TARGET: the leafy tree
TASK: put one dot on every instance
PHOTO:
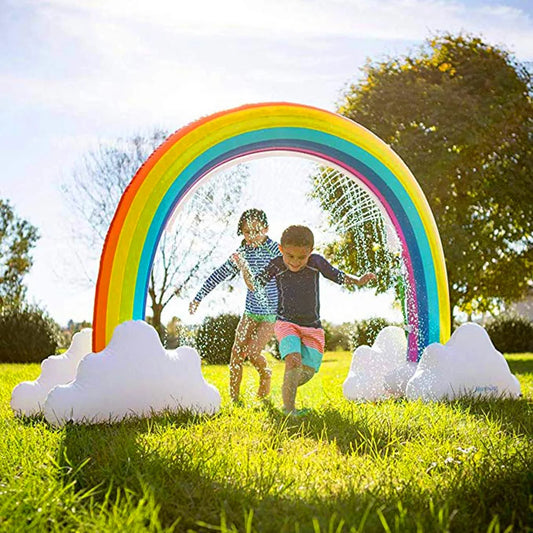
(17, 238)
(186, 246)
(459, 113)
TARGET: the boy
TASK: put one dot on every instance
(298, 328)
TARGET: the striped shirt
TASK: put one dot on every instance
(264, 302)
(298, 292)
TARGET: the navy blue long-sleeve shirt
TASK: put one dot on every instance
(298, 292)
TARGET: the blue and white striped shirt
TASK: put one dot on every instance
(263, 302)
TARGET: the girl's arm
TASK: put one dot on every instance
(222, 273)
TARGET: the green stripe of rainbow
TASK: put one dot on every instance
(193, 151)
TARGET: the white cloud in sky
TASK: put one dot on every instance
(127, 58)
(408, 19)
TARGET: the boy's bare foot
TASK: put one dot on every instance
(296, 412)
(264, 383)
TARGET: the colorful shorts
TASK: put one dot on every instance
(307, 341)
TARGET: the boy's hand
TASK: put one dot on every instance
(365, 278)
(193, 306)
(238, 260)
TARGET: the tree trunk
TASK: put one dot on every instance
(157, 310)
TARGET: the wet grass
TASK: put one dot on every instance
(389, 466)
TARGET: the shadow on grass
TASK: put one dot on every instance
(194, 486)
(189, 486)
(515, 416)
(350, 433)
(521, 366)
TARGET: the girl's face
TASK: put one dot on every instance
(254, 233)
(295, 257)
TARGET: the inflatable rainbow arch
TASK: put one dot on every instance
(192, 152)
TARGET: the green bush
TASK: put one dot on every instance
(511, 334)
(365, 331)
(27, 334)
(272, 347)
(215, 337)
(338, 337)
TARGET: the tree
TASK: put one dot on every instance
(459, 113)
(186, 246)
(17, 238)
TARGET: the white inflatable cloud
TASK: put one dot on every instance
(370, 365)
(28, 397)
(133, 376)
(467, 365)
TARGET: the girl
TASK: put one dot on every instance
(256, 325)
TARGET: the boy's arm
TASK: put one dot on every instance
(363, 280)
(253, 283)
(240, 261)
(332, 273)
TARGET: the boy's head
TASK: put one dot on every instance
(253, 226)
(296, 246)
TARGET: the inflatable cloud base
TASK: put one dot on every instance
(468, 365)
(370, 365)
(28, 397)
(133, 376)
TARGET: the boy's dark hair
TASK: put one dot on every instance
(298, 236)
(250, 215)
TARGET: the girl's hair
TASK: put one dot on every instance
(256, 215)
(298, 236)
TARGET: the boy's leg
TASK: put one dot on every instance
(306, 374)
(291, 380)
(312, 349)
(262, 333)
(290, 347)
(313, 341)
(238, 356)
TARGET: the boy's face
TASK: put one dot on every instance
(254, 233)
(295, 257)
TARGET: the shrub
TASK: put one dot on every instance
(184, 335)
(272, 347)
(338, 337)
(215, 337)
(366, 331)
(27, 334)
(511, 334)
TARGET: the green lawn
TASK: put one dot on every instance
(388, 466)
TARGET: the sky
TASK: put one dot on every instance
(75, 74)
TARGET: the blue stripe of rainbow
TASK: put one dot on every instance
(332, 149)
